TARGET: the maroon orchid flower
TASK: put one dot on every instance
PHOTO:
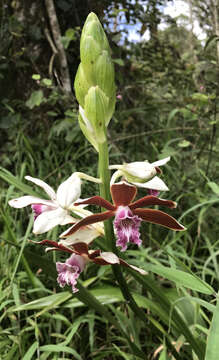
(128, 214)
(69, 271)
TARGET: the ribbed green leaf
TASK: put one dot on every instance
(13, 180)
(212, 350)
(47, 301)
(181, 278)
(122, 354)
(31, 351)
(60, 348)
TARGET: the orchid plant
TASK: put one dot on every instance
(95, 92)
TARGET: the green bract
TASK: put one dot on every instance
(94, 82)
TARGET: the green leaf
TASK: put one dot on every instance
(181, 278)
(210, 41)
(212, 349)
(200, 97)
(214, 187)
(209, 202)
(172, 114)
(30, 351)
(47, 301)
(35, 99)
(184, 143)
(122, 354)
(13, 180)
(207, 305)
(36, 77)
(70, 33)
(47, 82)
(177, 322)
(60, 348)
(119, 62)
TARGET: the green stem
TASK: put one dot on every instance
(104, 174)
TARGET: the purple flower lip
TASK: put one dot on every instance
(126, 226)
(153, 192)
(69, 271)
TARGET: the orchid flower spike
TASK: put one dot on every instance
(128, 214)
(141, 174)
(49, 213)
(69, 271)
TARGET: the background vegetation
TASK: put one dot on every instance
(167, 105)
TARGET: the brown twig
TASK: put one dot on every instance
(59, 48)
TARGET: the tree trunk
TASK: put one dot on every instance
(56, 33)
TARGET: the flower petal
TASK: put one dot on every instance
(123, 193)
(140, 169)
(110, 257)
(81, 248)
(43, 185)
(29, 200)
(156, 184)
(76, 260)
(68, 219)
(54, 244)
(92, 219)
(151, 200)
(161, 162)
(141, 271)
(85, 234)
(159, 217)
(96, 200)
(49, 219)
(69, 191)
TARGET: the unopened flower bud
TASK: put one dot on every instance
(104, 76)
(96, 103)
(94, 82)
(82, 85)
(93, 27)
(90, 50)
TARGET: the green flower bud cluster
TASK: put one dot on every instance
(94, 82)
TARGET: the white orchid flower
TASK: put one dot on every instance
(49, 213)
(141, 174)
